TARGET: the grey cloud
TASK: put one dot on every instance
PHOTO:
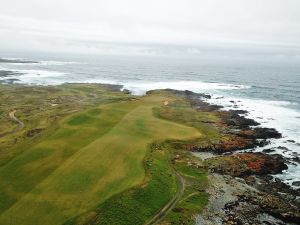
(54, 24)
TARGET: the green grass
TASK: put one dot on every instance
(43, 108)
(81, 119)
(89, 158)
(137, 205)
(194, 199)
(181, 112)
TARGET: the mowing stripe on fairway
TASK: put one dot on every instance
(106, 166)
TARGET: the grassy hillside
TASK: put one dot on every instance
(85, 158)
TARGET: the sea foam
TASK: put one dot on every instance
(272, 114)
(140, 88)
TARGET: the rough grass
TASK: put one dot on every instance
(180, 112)
(41, 107)
(92, 156)
(194, 199)
(137, 205)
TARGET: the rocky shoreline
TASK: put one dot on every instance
(243, 190)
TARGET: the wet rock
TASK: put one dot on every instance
(238, 112)
(260, 133)
(296, 159)
(265, 133)
(240, 121)
(269, 150)
(296, 183)
(283, 148)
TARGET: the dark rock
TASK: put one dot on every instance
(240, 121)
(245, 164)
(262, 133)
(126, 91)
(277, 180)
(296, 183)
(113, 87)
(33, 132)
(283, 148)
(261, 163)
(238, 112)
(269, 150)
(296, 159)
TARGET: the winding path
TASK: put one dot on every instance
(171, 204)
(14, 118)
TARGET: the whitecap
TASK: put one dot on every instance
(271, 114)
(140, 88)
(57, 63)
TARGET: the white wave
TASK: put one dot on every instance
(57, 63)
(38, 73)
(40, 62)
(140, 88)
(97, 81)
(2, 68)
(272, 114)
(36, 76)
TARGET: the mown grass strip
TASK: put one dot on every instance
(106, 166)
(137, 205)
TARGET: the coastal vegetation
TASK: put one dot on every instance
(83, 148)
(78, 154)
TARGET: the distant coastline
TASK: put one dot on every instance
(6, 60)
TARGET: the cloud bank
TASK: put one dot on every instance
(136, 26)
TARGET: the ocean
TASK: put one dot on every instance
(268, 89)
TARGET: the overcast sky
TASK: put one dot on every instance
(111, 26)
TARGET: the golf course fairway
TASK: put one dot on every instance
(93, 155)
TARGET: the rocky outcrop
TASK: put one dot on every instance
(260, 163)
(239, 121)
(238, 201)
(244, 164)
(261, 208)
(260, 133)
(227, 144)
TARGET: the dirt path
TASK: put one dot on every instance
(14, 118)
(171, 204)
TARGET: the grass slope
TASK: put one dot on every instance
(140, 203)
(92, 156)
